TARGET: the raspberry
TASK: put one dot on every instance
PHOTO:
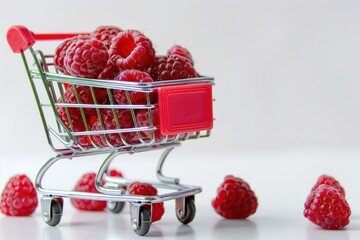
(235, 199)
(76, 122)
(19, 197)
(146, 189)
(115, 173)
(109, 72)
(172, 67)
(327, 208)
(87, 184)
(60, 52)
(328, 180)
(131, 49)
(179, 50)
(105, 34)
(86, 58)
(132, 75)
(143, 120)
(125, 121)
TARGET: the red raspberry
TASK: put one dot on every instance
(19, 197)
(125, 121)
(327, 208)
(76, 122)
(132, 75)
(60, 52)
(105, 34)
(172, 67)
(328, 180)
(115, 173)
(87, 184)
(179, 50)
(86, 58)
(109, 72)
(235, 199)
(146, 189)
(131, 49)
(143, 120)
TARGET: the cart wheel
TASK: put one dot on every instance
(115, 207)
(190, 211)
(144, 223)
(55, 212)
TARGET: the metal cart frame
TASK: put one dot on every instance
(43, 74)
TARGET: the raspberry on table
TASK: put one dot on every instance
(115, 173)
(179, 50)
(131, 49)
(87, 184)
(235, 199)
(132, 75)
(331, 181)
(19, 197)
(172, 67)
(125, 121)
(327, 208)
(105, 34)
(147, 189)
(86, 58)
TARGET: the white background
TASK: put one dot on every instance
(287, 101)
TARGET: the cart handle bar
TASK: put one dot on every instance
(20, 38)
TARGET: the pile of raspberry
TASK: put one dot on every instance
(111, 53)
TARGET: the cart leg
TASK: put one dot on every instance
(159, 167)
(100, 176)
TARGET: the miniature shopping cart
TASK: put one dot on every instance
(185, 112)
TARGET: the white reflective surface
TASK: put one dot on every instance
(280, 179)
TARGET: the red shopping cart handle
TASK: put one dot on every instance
(20, 38)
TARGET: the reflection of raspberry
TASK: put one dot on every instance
(60, 52)
(105, 34)
(132, 75)
(179, 50)
(172, 67)
(235, 199)
(131, 49)
(86, 58)
(327, 208)
(328, 180)
(87, 184)
(146, 189)
(19, 197)
(125, 121)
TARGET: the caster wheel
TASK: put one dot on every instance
(54, 217)
(144, 223)
(115, 207)
(190, 211)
